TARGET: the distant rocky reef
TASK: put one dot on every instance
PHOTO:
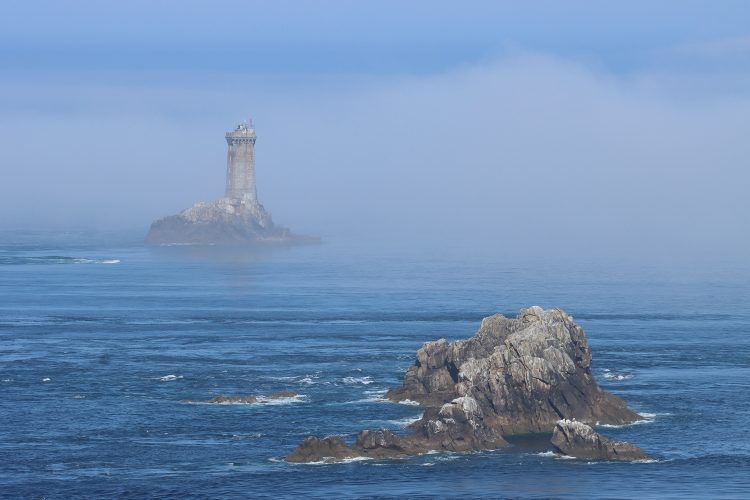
(529, 374)
(224, 221)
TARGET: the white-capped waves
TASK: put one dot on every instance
(299, 398)
(610, 375)
(648, 418)
(408, 402)
(552, 454)
(53, 259)
(367, 380)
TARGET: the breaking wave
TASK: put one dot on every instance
(610, 375)
(358, 380)
(552, 454)
(408, 402)
(299, 398)
(53, 259)
(648, 418)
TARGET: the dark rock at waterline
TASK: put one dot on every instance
(456, 426)
(515, 376)
(223, 399)
(282, 394)
(525, 373)
(577, 439)
(313, 449)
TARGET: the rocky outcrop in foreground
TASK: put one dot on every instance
(222, 221)
(457, 426)
(515, 376)
(577, 439)
(525, 373)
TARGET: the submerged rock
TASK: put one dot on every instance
(223, 399)
(515, 376)
(282, 395)
(577, 439)
(525, 374)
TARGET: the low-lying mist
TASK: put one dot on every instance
(524, 157)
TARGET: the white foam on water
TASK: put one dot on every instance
(358, 380)
(552, 454)
(377, 391)
(617, 376)
(405, 422)
(371, 399)
(83, 260)
(408, 402)
(648, 418)
(547, 454)
(79, 396)
(170, 378)
(299, 398)
(308, 379)
(46, 379)
(355, 459)
(7, 380)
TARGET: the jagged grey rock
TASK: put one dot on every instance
(577, 439)
(525, 374)
(516, 375)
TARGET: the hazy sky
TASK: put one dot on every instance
(571, 128)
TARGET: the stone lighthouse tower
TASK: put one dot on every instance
(237, 217)
(241, 166)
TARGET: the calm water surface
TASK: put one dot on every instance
(102, 340)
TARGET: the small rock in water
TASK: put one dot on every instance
(577, 439)
(222, 399)
(327, 449)
(282, 394)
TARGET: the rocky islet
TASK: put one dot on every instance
(514, 376)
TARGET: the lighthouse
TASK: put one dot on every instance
(241, 166)
(237, 217)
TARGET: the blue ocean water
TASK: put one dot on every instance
(103, 340)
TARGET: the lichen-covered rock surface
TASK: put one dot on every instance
(515, 376)
(525, 374)
(577, 439)
(222, 221)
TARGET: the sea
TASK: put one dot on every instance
(109, 350)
